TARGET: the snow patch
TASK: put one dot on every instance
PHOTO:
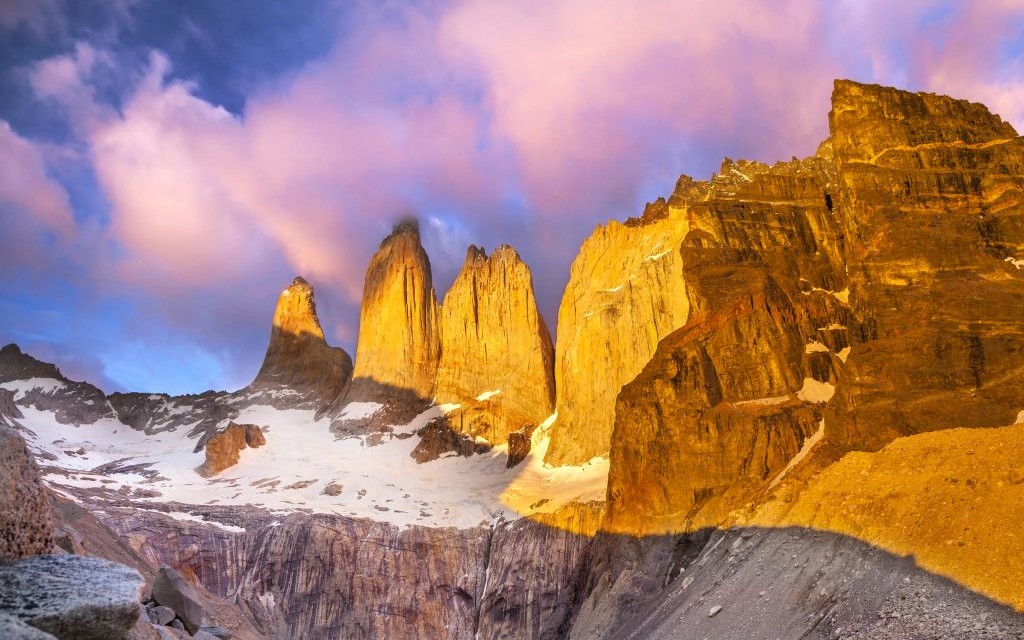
(1020, 418)
(843, 354)
(816, 347)
(486, 395)
(1015, 262)
(42, 385)
(800, 455)
(762, 401)
(360, 410)
(814, 391)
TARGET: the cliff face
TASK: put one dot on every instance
(934, 193)
(626, 292)
(399, 344)
(728, 400)
(496, 352)
(298, 357)
(891, 258)
(328, 576)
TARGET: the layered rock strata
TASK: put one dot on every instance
(496, 356)
(298, 357)
(399, 345)
(731, 397)
(933, 194)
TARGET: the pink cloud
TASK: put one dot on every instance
(590, 95)
(573, 112)
(32, 204)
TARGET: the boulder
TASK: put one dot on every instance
(171, 590)
(72, 597)
(224, 447)
(12, 628)
(25, 521)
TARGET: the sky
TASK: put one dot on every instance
(166, 168)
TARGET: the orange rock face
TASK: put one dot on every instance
(399, 344)
(884, 269)
(223, 449)
(496, 357)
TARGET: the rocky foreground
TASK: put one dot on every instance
(785, 402)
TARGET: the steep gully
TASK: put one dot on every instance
(858, 299)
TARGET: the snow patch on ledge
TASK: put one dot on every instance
(814, 391)
(486, 395)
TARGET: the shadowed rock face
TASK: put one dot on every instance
(496, 356)
(399, 336)
(298, 357)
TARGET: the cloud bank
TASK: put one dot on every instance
(524, 123)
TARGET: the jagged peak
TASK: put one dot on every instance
(475, 254)
(296, 310)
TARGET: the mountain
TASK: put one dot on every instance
(496, 353)
(298, 358)
(399, 344)
(783, 402)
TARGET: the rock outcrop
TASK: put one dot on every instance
(496, 356)
(399, 343)
(224, 448)
(71, 596)
(626, 292)
(729, 399)
(298, 358)
(25, 522)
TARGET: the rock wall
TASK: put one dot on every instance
(325, 576)
(399, 345)
(496, 356)
(933, 194)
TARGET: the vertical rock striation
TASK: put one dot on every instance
(496, 356)
(399, 344)
(298, 357)
(728, 400)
